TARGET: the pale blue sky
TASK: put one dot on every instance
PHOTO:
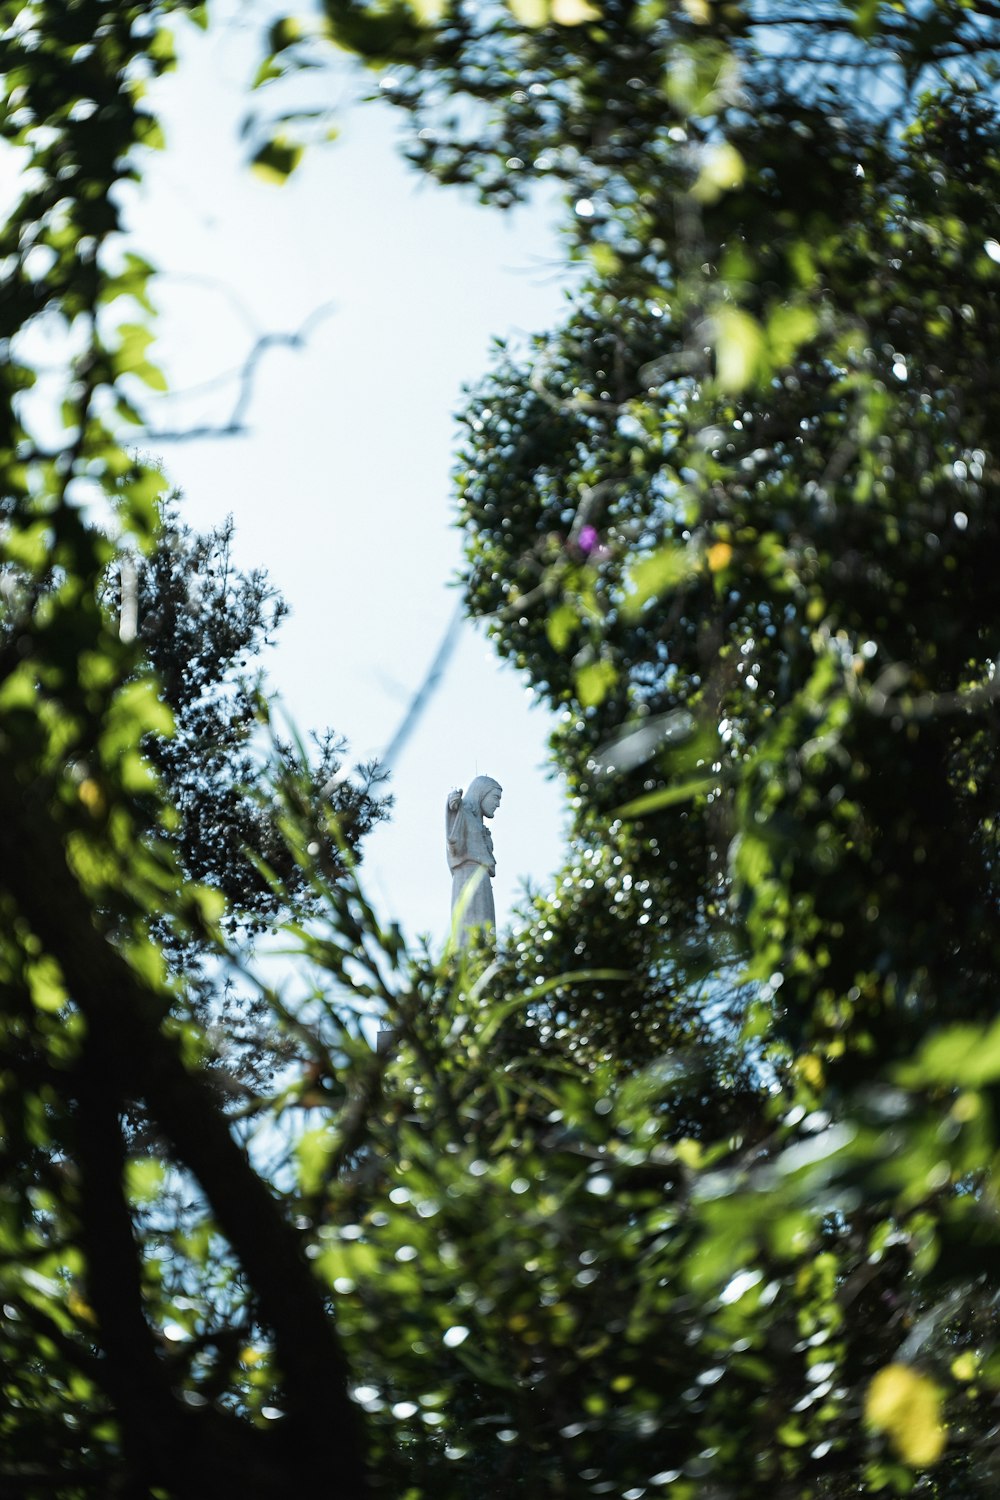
(341, 488)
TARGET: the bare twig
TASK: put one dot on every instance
(236, 425)
(425, 691)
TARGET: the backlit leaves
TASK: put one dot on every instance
(277, 159)
(690, 1186)
(906, 1406)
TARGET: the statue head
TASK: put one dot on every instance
(483, 796)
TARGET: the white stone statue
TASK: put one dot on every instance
(470, 855)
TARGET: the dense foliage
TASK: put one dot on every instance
(204, 623)
(689, 1192)
(718, 568)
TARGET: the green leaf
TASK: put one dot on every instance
(136, 710)
(906, 1405)
(667, 796)
(276, 160)
(28, 547)
(428, 12)
(143, 1178)
(268, 71)
(656, 575)
(211, 903)
(149, 132)
(46, 984)
(866, 18)
(285, 32)
(133, 341)
(740, 345)
(500, 1013)
(532, 13)
(788, 328)
(560, 626)
(574, 12)
(960, 1057)
(723, 169)
(163, 49)
(604, 260)
(594, 681)
(150, 375)
(313, 1150)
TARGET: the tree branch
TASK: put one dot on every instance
(144, 1062)
(236, 425)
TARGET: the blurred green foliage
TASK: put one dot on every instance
(687, 1188)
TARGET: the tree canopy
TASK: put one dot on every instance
(689, 1190)
(204, 624)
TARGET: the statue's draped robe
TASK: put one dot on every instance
(470, 859)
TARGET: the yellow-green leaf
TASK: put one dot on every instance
(143, 1178)
(656, 575)
(276, 161)
(314, 1150)
(906, 1406)
(574, 12)
(211, 903)
(285, 32)
(788, 327)
(739, 347)
(722, 170)
(605, 261)
(45, 981)
(560, 625)
(666, 797)
(594, 681)
(532, 13)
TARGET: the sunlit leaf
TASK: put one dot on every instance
(604, 260)
(143, 1178)
(739, 347)
(277, 159)
(656, 575)
(723, 168)
(560, 626)
(313, 1150)
(959, 1056)
(285, 32)
(46, 983)
(594, 681)
(907, 1407)
(531, 13)
(788, 328)
(574, 12)
(668, 796)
